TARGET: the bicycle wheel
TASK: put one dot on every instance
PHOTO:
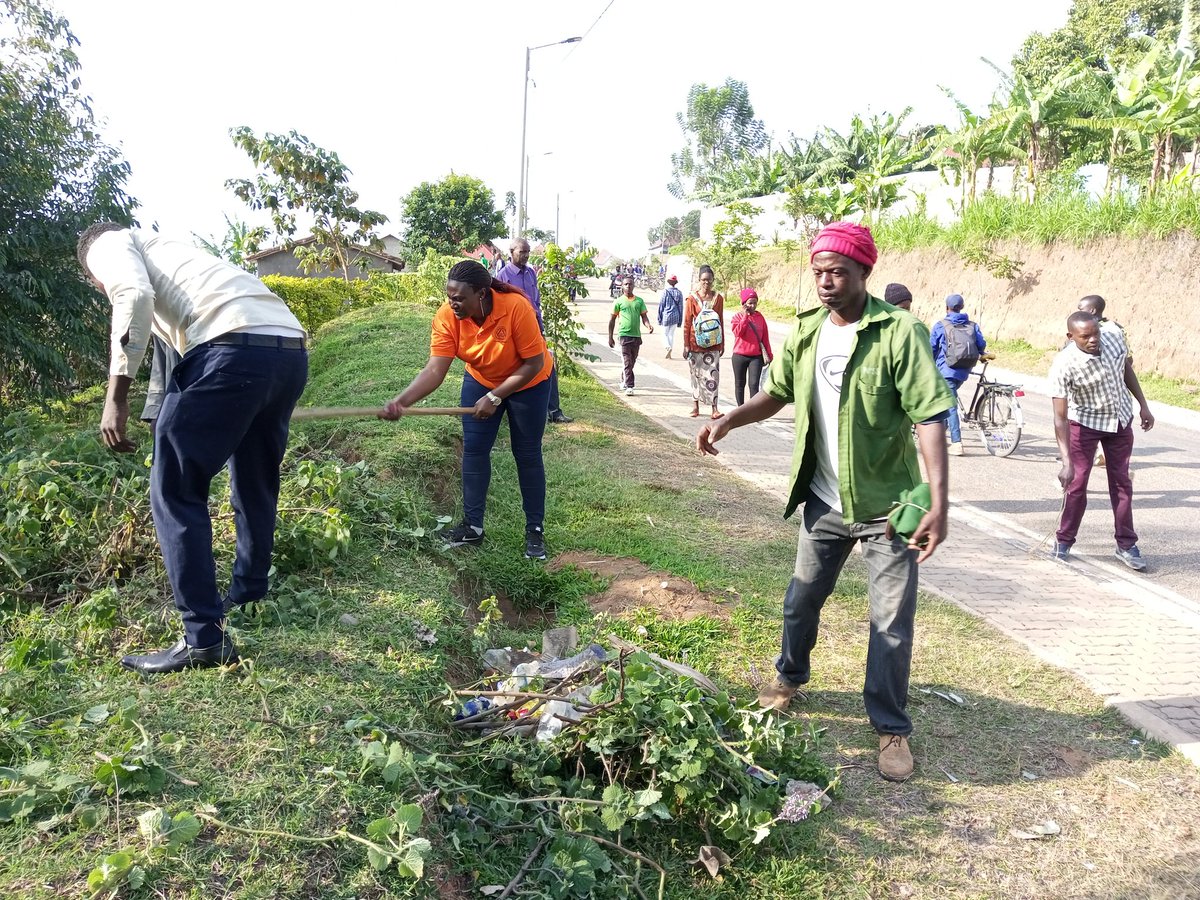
(998, 416)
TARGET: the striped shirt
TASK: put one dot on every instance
(1094, 386)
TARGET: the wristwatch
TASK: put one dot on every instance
(496, 401)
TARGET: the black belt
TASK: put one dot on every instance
(249, 339)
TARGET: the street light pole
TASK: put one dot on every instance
(521, 211)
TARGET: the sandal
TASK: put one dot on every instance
(717, 415)
(695, 412)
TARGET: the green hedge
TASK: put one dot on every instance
(316, 301)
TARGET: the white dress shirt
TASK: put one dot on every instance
(181, 293)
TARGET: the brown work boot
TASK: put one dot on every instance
(778, 694)
(895, 759)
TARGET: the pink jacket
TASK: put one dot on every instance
(745, 341)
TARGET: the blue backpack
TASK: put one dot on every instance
(707, 328)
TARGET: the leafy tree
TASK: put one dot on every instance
(57, 176)
(455, 214)
(537, 235)
(731, 251)
(559, 281)
(719, 128)
(239, 242)
(675, 230)
(294, 176)
(1096, 30)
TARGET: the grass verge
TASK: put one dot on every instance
(276, 746)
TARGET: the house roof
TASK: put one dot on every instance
(271, 251)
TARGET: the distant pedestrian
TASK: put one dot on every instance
(521, 275)
(670, 313)
(1091, 385)
(957, 345)
(860, 374)
(631, 310)
(704, 341)
(751, 346)
(899, 296)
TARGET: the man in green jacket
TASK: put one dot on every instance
(861, 375)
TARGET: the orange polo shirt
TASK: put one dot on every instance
(493, 350)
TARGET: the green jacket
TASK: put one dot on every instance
(890, 383)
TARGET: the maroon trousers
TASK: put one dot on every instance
(1118, 448)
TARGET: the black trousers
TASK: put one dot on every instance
(743, 367)
(223, 404)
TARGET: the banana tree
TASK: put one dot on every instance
(964, 151)
(1161, 91)
(1031, 115)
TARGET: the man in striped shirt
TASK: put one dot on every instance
(1091, 386)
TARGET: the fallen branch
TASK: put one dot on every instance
(519, 877)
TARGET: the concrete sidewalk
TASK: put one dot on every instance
(1135, 644)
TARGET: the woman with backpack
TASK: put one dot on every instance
(704, 341)
(751, 346)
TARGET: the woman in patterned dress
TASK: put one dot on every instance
(704, 363)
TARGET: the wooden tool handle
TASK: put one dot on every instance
(338, 412)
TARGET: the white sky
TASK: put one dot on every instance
(407, 91)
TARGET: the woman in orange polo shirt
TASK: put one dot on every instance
(491, 326)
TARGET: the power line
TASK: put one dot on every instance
(590, 27)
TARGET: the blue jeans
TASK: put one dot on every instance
(824, 545)
(526, 411)
(223, 404)
(952, 414)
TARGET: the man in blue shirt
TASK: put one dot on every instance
(670, 313)
(955, 375)
(518, 273)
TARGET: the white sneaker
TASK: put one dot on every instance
(628, 392)
(956, 449)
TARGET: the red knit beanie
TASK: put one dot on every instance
(848, 239)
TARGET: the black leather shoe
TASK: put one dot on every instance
(180, 656)
(559, 419)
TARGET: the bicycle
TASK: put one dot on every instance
(995, 409)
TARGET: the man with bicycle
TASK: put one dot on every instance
(957, 346)
(860, 374)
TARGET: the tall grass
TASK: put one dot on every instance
(1067, 214)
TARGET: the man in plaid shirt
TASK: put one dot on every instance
(1091, 386)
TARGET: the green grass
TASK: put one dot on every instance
(273, 746)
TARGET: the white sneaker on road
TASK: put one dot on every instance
(956, 449)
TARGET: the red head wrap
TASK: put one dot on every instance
(848, 239)
(747, 293)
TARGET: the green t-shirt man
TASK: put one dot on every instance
(629, 311)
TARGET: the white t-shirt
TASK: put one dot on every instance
(833, 352)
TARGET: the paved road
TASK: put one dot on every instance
(1129, 637)
(1022, 491)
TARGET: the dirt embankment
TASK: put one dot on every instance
(1152, 288)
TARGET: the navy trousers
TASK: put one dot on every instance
(223, 404)
(526, 411)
